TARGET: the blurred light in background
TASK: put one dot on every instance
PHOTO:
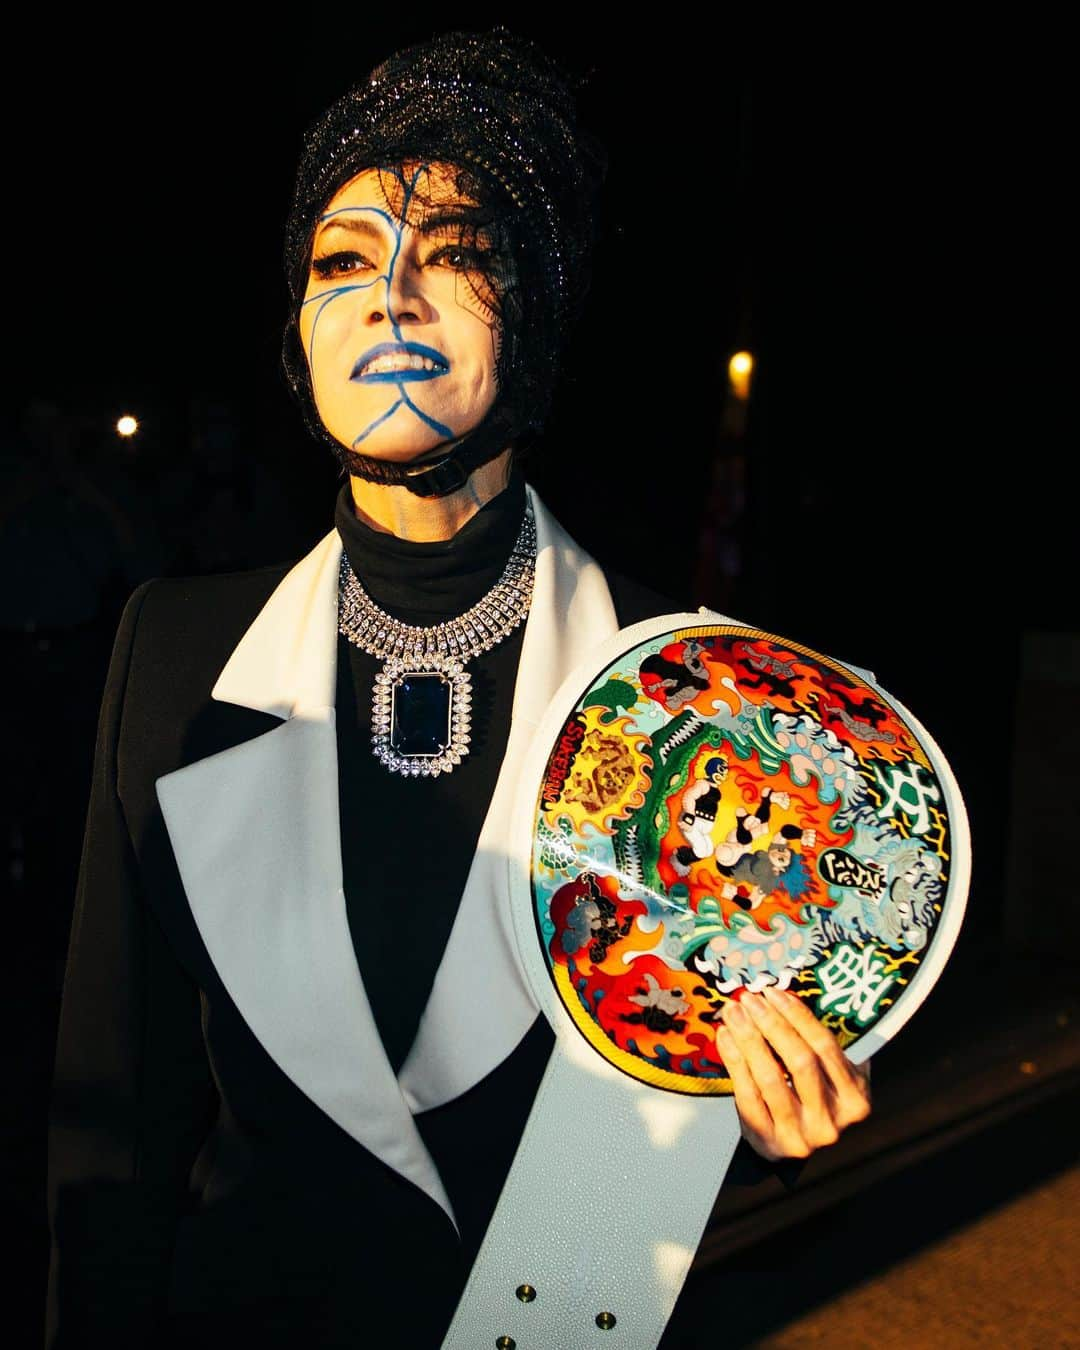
(740, 368)
(127, 425)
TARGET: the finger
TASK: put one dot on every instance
(849, 1086)
(861, 1075)
(768, 1077)
(851, 1104)
(757, 1124)
(816, 1099)
(821, 1040)
(800, 1060)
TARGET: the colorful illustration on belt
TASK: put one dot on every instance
(724, 810)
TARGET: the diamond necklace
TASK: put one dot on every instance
(420, 703)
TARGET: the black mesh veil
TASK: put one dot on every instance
(502, 112)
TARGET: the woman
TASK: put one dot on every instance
(296, 1055)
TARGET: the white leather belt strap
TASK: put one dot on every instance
(616, 1174)
(601, 1213)
(613, 1181)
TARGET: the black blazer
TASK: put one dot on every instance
(191, 1183)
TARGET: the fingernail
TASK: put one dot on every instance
(754, 1008)
(734, 1015)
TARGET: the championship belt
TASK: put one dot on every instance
(836, 867)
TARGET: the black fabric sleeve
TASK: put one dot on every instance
(132, 1092)
(749, 1168)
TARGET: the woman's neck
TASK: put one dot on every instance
(396, 510)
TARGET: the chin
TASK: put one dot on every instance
(393, 448)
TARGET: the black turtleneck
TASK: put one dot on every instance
(408, 843)
(427, 583)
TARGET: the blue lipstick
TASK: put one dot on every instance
(442, 365)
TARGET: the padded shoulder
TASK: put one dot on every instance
(185, 629)
(188, 625)
(177, 607)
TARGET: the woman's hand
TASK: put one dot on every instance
(789, 1115)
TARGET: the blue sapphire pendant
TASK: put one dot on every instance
(420, 715)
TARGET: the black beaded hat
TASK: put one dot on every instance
(503, 113)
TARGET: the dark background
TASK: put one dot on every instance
(876, 219)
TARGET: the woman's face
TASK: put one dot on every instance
(399, 319)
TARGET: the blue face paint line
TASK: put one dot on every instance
(393, 376)
(315, 323)
(339, 290)
(396, 377)
(373, 210)
(318, 315)
(440, 427)
(377, 423)
(324, 298)
(395, 327)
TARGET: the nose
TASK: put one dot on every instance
(400, 297)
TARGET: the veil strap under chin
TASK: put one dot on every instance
(438, 477)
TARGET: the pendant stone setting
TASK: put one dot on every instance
(420, 715)
(421, 702)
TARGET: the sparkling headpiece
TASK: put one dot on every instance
(498, 108)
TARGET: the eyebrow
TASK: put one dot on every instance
(455, 216)
(435, 224)
(357, 225)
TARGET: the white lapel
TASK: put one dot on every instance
(480, 1004)
(256, 835)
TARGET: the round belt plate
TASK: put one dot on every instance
(720, 809)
